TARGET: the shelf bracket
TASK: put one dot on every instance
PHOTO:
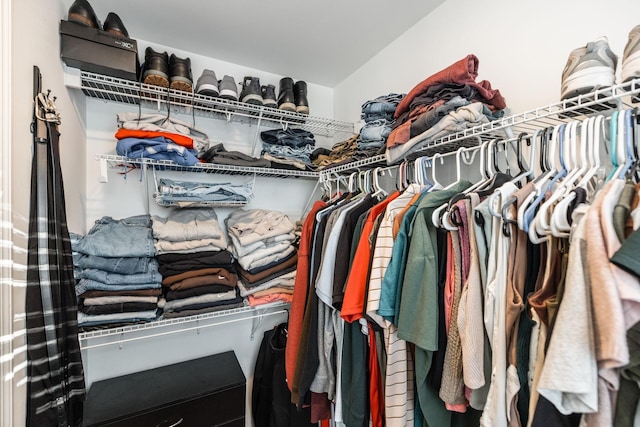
(104, 171)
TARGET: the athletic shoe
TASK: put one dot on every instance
(250, 93)
(228, 89)
(207, 84)
(631, 56)
(589, 68)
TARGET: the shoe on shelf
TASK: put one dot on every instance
(180, 77)
(156, 68)
(631, 56)
(300, 95)
(207, 84)
(113, 24)
(269, 96)
(251, 93)
(228, 88)
(286, 99)
(589, 68)
(82, 13)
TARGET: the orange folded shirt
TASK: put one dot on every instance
(182, 140)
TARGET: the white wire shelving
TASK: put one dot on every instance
(601, 101)
(138, 331)
(125, 163)
(129, 92)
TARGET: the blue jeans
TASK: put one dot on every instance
(376, 131)
(290, 137)
(151, 276)
(298, 153)
(120, 265)
(84, 285)
(383, 107)
(182, 191)
(128, 237)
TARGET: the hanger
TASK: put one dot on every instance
(613, 142)
(378, 191)
(567, 142)
(552, 176)
(629, 158)
(558, 222)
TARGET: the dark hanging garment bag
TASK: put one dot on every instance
(55, 378)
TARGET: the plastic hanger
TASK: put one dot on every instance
(549, 181)
(628, 144)
(613, 142)
(559, 223)
(379, 192)
(566, 158)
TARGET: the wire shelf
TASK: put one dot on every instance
(126, 163)
(147, 328)
(129, 92)
(602, 101)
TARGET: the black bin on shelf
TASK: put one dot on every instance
(209, 391)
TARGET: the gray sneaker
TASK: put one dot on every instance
(631, 56)
(207, 84)
(228, 88)
(589, 68)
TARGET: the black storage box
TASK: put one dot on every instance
(98, 51)
(209, 391)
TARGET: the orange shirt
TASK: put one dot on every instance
(300, 287)
(182, 140)
(355, 289)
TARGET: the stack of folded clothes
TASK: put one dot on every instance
(378, 117)
(219, 155)
(192, 194)
(449, 101)
(117, 277)
(263, 243)
(198, 273)
(156, 136)
(288, 149)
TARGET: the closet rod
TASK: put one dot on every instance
(197, 327)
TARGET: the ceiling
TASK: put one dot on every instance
(321, 41)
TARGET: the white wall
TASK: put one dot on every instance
(522, 47)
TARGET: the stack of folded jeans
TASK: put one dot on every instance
(289, 148)
(378, 117)
(263, 243)
(118, 281)
(193, 194)
(197, 270)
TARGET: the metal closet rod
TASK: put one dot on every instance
(121, 341)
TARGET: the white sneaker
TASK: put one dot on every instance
(631, 56)
(589, 68)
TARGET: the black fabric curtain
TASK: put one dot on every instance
(55, 377)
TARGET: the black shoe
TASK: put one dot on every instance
(250, 93)
(113, 24)
(180, 73)
(300, 95)
(286, 100)
(156, 68)
(269, 96)
(82, 13)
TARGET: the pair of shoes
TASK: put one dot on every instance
(163, 70)
(209, 85)
(256, 94)
(82, 13)
(593, 66)
(293, 97)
